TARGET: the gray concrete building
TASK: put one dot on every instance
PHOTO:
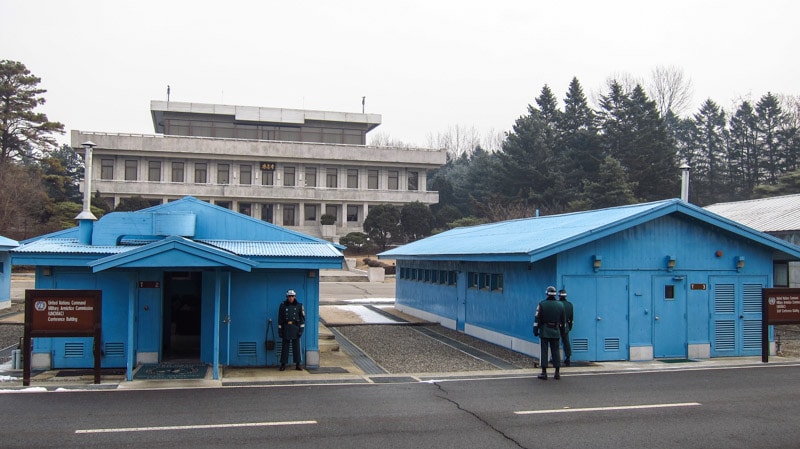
(284, 166)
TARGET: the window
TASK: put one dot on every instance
(177, 172)
(352, 213)
(106, 168)
(332, 178)
(267, 177)
(266, 212)
(352, 178)
(311, 212)
(154, 171)
(497, 283)
(245, 174)
(245, 208)
(311, 176)
(473, 279)
(131, 167)
(223, 174)
(201, 172)
(486, 281)
(394, 177)
(413, 180)
(225, 204)
(372, 179)
(332, 210)
(288, 215)
(288, 176)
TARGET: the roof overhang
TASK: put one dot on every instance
(174, 252)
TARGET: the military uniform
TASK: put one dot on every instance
(291, 324)
(569, 314)
(547, 325)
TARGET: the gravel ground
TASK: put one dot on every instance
(402, 349)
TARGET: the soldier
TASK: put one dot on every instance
(291, 324)
(568, 313)
(547, 325)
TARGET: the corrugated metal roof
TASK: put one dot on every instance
(68, 246)
(7, 242)
(780, 213)
(522, 236)
(275, 249)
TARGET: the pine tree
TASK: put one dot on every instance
(708, 137)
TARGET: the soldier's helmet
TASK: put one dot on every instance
(291, 293)
(551, 291)
(562, 294)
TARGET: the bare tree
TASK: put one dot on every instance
(384, 140)
(671, 89)
(457, 140)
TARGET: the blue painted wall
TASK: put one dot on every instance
(617, 305)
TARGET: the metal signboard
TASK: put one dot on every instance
(778, 306)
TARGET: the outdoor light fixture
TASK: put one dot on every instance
(597, 262)
(739, 263)
(670, 263)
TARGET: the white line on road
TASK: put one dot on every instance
(603, 409)
(197, 426)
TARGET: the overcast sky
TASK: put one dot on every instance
(426, 66)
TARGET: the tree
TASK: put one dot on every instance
(382, 225)
(670, 89)
(705, 154)
(62, 172)
(743, 159)
(416, 220)
(771, 147)
(612, 189)
(22, 131)
(132, 204)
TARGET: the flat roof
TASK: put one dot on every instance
(258, 114)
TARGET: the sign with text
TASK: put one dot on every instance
(782, 305)
(69, 312)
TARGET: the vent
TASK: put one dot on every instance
(752, 298)
(247, 349)
(580, 345)
(73, 350)
(752, 335)
(114, 349)
(725, 335)
(724, 299)
(611, 344)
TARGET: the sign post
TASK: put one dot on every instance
(61, 313)
(778, 306)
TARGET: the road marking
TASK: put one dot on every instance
(603, 409)
(196, 426)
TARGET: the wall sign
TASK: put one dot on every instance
(778, 306)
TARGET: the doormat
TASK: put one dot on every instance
(677, 360)
(163, 371)
(90, 372)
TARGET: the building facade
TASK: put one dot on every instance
(655, 280)
(283, 166)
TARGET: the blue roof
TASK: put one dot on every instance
(532, 239)
(6, 243)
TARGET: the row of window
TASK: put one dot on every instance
(223, 175)
(480, 281)
(229, 130)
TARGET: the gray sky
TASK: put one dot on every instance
(426, 66)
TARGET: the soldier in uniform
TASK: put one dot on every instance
(291, 324)
(547, 325)
(569, 314)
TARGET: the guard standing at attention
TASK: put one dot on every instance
(291, 324)
(548, 323)
(569, 313)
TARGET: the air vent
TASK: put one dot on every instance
(73, 350)
(247, 349)
(114, 349)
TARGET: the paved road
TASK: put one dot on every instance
(755, 407)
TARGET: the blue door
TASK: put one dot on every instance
(736, 315)
(669, 317)
(600, 331)
(461, 297)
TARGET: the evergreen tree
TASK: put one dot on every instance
(578, 151)
(382, 225)
(771, 148)
(611, 189)
(22, 131)
(707, 150)
(416, 220)
(743, 155)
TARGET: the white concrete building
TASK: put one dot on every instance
(283, 166)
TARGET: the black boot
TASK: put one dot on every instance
(542, 376)
(297, 367)
(558, 374)
(566, 361)
(283, 366)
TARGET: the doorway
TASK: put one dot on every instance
(182, 315)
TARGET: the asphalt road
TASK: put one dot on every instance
(753, 407)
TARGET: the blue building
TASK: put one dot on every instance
(186, 279)
(6, 244)
(658, 280)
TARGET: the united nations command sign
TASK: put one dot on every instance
(778, 306)
(61, 313)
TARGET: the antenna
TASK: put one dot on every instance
(363, 100)
(167, 93)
